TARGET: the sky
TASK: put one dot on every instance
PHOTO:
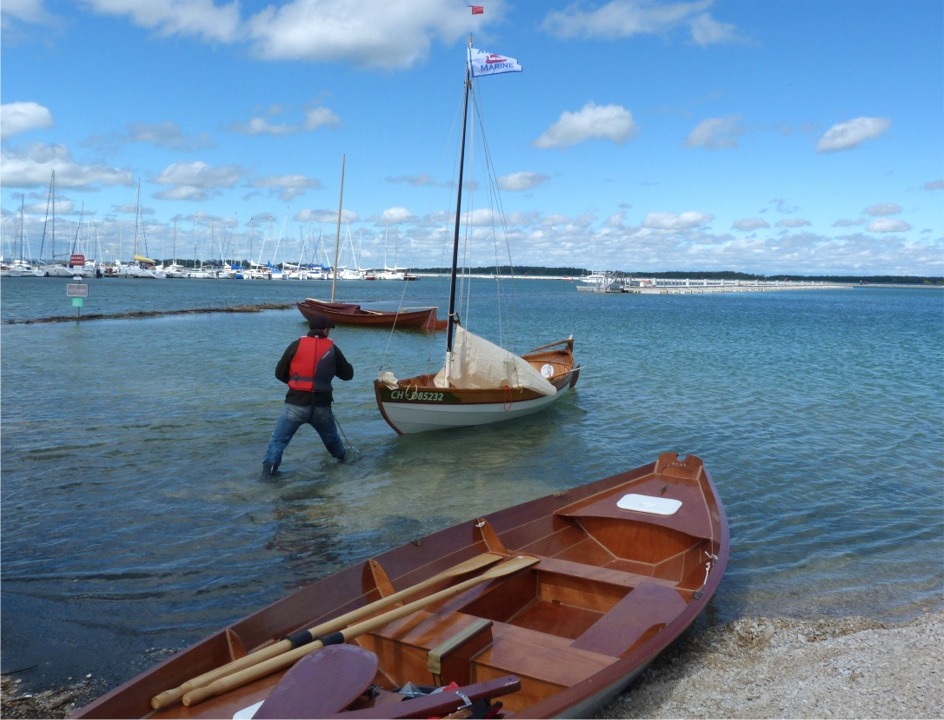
(758, 136)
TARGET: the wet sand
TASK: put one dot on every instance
(751, 668)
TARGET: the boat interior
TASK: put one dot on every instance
(605, 579)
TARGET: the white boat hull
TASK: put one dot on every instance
(408, 417)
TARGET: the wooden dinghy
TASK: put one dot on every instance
(353, 314)
(549, 608)
(495, 390)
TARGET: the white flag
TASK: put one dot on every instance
(483, 63)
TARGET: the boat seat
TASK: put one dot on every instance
(645, 609)
(594, 573)
(536, 656)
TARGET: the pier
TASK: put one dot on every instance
(666, 286)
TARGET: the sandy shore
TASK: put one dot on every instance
(763, 668)
(751, 668)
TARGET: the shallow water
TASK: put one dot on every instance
(134, 515)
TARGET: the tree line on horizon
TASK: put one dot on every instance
(575, 272)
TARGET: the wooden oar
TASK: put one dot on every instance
(171, 696)
(242, 677)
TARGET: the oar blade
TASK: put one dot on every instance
(321, 684)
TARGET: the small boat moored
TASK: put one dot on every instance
(353, 314)
(544, 609)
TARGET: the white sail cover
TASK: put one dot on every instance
(479, 364)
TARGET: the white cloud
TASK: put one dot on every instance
(888, 225)
(934, 185)
(708, 31)
(195, 180)
(622, 18)
(320, 117)
(849, 134)
(592, 122)
(749, 224)
(793, 223)
(423, 180)
(314, 119)
(716, 133)
(883, 209)
(396, 215)
(31, 11)
(200, 18)
(288, 187)
(33, 167)
(18, 117)
(262, 126)
(166, 135)
(482, 217)
(676, 223)
(521, 181)
(365, 32)
(325, 217)
(199, 174)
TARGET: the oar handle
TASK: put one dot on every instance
(247, 675)
(169, 697)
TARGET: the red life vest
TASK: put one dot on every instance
(302, 373)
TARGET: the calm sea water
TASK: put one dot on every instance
(134, 516)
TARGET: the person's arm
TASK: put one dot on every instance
(285, 362)
(342, 368)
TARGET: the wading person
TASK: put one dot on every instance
(308, 366)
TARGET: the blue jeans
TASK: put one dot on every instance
(292, 418)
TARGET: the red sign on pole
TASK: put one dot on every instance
(77, 260)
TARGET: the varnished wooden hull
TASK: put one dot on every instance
(417, 405)
(611, 581)
(351, 314)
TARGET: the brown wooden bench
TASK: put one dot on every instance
(644, 611)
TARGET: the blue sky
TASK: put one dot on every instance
(762, 136)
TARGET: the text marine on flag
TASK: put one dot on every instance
(484, 63)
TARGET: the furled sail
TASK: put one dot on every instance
(477, 363)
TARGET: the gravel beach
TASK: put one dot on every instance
(750, 668)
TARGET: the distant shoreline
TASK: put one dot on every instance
(811, 282)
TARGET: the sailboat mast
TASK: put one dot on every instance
(337, 239)
(137, 216)
(450, 332)
(52, 193)
(22, 227)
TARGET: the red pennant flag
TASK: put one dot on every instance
(477, 9)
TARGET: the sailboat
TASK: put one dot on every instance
(21, 266)
(52, 267)
(342, 313)
(480, 382)
(140, 266)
